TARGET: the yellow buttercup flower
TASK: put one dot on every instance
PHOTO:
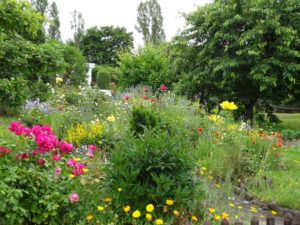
(217, 217)
(89, 218)
(211, 210)
(228, 105)
(111, 118)
(176, 213)
(126, 208)
(210, 177)
(85, 170)
(240, 207)
(218, 186)
(231, 205)
(213, 117)
(159, 222)
(72, 176)
(194, 218)
(107, 200)
(77, 159)
(225, 216)
(120, 189)
(253, 209)
(169, 202)
(150, 208)
(136, 214)
(261, 216)
(149, 217)
(100, 208)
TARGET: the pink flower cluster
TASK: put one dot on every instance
(43, 136)
(78, 168)
(74, 197)
(91, 151)
(4, 151)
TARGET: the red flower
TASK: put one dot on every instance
(4, 151)
(274, 133)
(146, 98)
(279, 145)
(279, 140)
(153, 100)
(40, 162)
(22, 156)
(163, 87)
(146, 90)
(126, 97)
(263, 134)
(56, 157)
(216, 134)
(200, 130)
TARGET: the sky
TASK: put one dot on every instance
(123, 13)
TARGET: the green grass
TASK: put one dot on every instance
(289, 121)
(285, 183)
(5, 136)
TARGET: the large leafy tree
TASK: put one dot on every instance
(54, 26)
(102, 45)
(40, 6)
(150, 22)
(241, 50)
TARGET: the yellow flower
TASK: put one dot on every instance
(159, 222)
(126, 208)
(253, 209)
(210, 177)
(213, 117)
(107, 200)
(150, 208)
(202, 173)
(211, 210)
(228, 105)
(111, 118)
(217, 217)
(120, 189)
(89, 217)
(232, 127)
(194, 218)
(261, 216)
(100, 208)
(169, 202)
(203, 168)
(136, 214)
(58, 80)
(231, 204)
(176, 213)
(274, 212)
(85, 170)
(218, 186)
(77, 159)
(225, 216)
(236, 216)
(72, 176)
(149, 217)
(240, 207)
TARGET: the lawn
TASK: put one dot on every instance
(5, 136)
(284, 181)
(289, 121)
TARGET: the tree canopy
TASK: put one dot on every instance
(102, 45)
(241, 50)
(150, 22)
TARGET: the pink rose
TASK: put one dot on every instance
(74, 197)
(163, 87)
(40, 162)
(65, 147)
(93, 148)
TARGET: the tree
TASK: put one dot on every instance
(150, 22)
(102, 45)
(54, 26)
(242, 50)
(77, 24)
(76, 68)
(40, 6)
(148, 66)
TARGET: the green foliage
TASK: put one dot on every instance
(105, 75)
(244, 51)
(142, 119)
(39, 90)
(76, 68)
(152, 170)
(148, 66)
(13, 94)
(150, 22)
(102, 45)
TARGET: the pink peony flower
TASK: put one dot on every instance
(16, 128)
(90, 154)
(74, 197)
(56, 157)
(78, 169)
(65, 147)
(57, 171)
(92, 148)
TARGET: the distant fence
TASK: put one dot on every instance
(286, 109)
(288, 220)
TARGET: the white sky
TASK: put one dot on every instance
(122, 13)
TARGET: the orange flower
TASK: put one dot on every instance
(200, 130)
